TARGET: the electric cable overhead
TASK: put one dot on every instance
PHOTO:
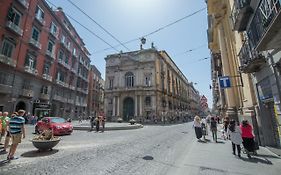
(93, 33)
(82, 11)
(155, 31)
(191, 50)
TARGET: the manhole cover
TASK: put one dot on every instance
(147, 158)
(211, 171)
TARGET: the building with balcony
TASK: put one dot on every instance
(252, 41)
(37, 72)
(95, 101)
(146, 85)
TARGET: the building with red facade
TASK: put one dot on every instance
(44, 64)
(96, 89)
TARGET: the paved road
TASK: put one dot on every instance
(152, 150)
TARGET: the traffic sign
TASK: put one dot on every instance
(225, 82)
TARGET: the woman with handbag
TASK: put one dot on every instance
(197, 127)
(234, 132)
(248, 137)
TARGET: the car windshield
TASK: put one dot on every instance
(58, 120)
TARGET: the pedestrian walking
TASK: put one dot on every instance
(213, 128)
(97, 122)
(92, 122)
(102, 122)
(8, 135)
(248, 137)
(234, 132)
(197, 127)
(17, 131)
(4, 119)
(225, 126)
(80, 119)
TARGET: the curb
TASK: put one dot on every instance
(268, 148)
(87, 128)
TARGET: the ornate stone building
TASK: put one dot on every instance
(145, 85)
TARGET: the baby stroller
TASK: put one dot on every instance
(249, 146)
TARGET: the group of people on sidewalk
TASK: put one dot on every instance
(98, 122)
(238, 134)
(12, 129)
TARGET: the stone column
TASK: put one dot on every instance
(118, 106)
(136, 105)
(140, 105)
(229, 92)
(114, 105)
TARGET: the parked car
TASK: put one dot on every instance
(59, 125)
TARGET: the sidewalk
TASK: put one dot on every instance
(109, 126)
(216, 158)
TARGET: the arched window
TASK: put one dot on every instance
(129, 79)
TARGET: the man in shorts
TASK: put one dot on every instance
(17, 131)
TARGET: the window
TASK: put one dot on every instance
(74, 51)
(46, 69)
(61, 55)
(60, 76)
(66, 59)
(53, 28)
(148, 81)
(63, 39)
(7, 48)
(44, 90)
(147, 101)
(35, 34)
(30, 61)
(111, 83)
(39, 13)
(14, 16)
(50, 46)
(129, 79)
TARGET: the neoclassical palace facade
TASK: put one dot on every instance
(147, 85)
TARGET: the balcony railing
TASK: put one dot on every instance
(47, 77)
(44, 96)
(7, 60)
(240, 14)
(27, 93)
(30, 70)
(63, 63)
(24, 3)
(265, 25)
(50, 54)
(40, 19)
(61, 83)
(15, 28)
(35, 43)
(250, 60)
(55, 34)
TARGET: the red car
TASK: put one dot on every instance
(59, 125)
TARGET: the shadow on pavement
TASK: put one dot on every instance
(221, 142)
(268, 156)
(36, 153)
(4, 162)
(257, 160)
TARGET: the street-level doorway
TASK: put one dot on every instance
(21, 105)
(128, 109)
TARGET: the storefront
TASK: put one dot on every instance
(41, 110)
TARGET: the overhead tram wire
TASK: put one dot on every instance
(82, 11)
(93, 33)
(190, 50)
(155, 31)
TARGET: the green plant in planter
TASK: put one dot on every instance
(132, 121)
(119, 120)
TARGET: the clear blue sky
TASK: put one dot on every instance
(130, 19)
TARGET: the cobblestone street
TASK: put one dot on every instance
(150, 150)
